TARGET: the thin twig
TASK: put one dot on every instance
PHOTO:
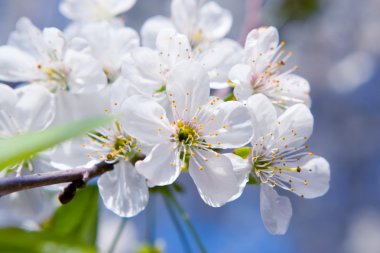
(14, 184)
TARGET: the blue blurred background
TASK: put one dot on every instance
(337, 46)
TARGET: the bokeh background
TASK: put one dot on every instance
(336, 44)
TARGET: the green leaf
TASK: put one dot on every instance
(148, 249)
(77, 221)
(14, 240)
(243, 152)
(19, 148)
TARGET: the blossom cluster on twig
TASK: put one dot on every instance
(161, 88)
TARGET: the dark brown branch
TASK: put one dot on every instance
(9, 185)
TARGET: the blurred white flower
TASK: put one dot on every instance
(46, 58)
(109, 44)
(94, 10)
(147, 69)
(352, 71)
(260, 71)
(199, 125)
(171, 49)
(29, 108)
(363, 232)
(202, 22)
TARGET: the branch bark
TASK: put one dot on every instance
(14, 184)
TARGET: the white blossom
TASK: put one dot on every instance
(147, 69)
(123, 190)
(260, 71)
(280, 157)
(202, 22)
(46, 58)
(29, 108)
(205, 24)
(109, 44)
(200, 123)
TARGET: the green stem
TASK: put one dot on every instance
(186, 219)
(118, 234)
(177, 224)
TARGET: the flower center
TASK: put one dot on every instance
(186, 133)
(111, 144)
(196, 38)
(57, 75)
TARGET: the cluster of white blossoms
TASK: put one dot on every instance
(168, 120)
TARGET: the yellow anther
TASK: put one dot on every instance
(180, 123)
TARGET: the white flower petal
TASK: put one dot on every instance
(188, 88)
(235, 126)
(109, 44)
(172, 47)
(17, 66)
(241, 168)
(54, 41)
(264, 115)
(264, 39)
(152, 27)
(146, 120)
(35, 108)
(240, 75)
(184, 13)
(142, 69)
(162, 166)
(295, 126)
(214, 177)
(276, 210)
(27, 209)
(218, 59)
(72, 107)
(119, 6)
(71, 153)
(121, 90)
(313, 180)
(214, 21)
(294, 90)
(86, 74)
(8, 98)
(123, 190)
(89, 10)
(28, 38)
